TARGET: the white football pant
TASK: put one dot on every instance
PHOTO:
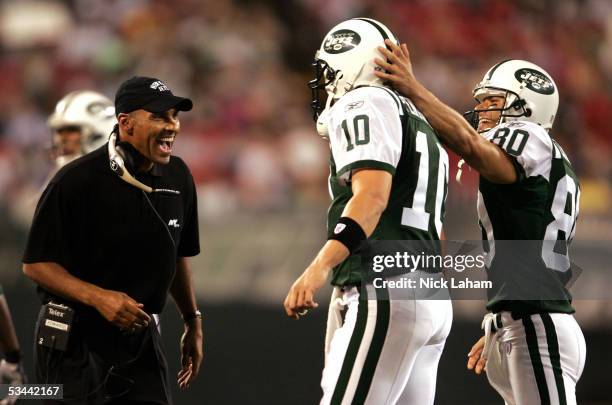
(387, 350)
(537, 359)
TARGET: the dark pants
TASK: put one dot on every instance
(113, 402)
(103, 366)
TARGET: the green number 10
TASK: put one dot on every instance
(361, 132)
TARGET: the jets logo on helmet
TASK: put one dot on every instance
(345, 60)
(535, 81)
(100, 108)
(530, 93)
(341, 41)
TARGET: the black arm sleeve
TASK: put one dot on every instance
(47, 240)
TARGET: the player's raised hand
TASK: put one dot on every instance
(300, 298)
(475, 360)
(397, 67)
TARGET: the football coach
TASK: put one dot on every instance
(110, 238)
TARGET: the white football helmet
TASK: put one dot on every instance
(91, 112)
(530, 93)
(345, 60)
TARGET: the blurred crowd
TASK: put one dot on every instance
(250, 141)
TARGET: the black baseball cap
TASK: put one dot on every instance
(149, 94)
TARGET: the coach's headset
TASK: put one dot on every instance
(121, 159)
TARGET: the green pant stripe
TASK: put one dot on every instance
(555, 357)
(536, 360)
(378, 340)
(353, 348)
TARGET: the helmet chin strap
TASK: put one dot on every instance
(350, 84)
(509, 101)
(86, 134)
(512, 101)
(331, 89)
(322, 127)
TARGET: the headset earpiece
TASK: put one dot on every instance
(116, 161)
(120, 163)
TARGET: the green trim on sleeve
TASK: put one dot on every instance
(370, 164)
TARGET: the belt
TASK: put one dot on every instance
(334, 316)
(491, 324)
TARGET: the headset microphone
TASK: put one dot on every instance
(117, 165)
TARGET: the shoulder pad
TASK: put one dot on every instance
(528, 143)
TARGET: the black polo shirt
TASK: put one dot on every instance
(105, 231)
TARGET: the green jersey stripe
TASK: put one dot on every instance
(380, 29)
(494, 68)
(364, 164)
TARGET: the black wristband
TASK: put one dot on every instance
(348, 232)
(13, 357)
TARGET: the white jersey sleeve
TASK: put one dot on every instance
(365, 131)
(528, 144)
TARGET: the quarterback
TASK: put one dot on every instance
(533, 349)
(388, 181)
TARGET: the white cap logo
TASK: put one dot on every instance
(159, 85)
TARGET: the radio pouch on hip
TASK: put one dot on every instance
(55, 322)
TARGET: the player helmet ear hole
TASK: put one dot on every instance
(518, 104)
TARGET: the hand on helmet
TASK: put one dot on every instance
(397, 68)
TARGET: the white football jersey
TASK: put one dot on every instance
(365, 131)
(529, 144)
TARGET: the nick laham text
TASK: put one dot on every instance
(430, 282)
